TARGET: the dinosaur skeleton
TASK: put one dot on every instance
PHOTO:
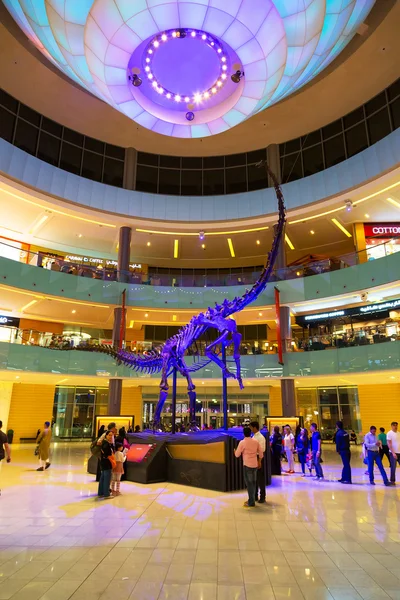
(171, 355)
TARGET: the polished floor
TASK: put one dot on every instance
(312, 540)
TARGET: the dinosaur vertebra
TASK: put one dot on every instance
(171, 355)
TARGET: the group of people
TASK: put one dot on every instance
(307, 448)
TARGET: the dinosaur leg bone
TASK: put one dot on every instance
(237, 339)
(183, 370)
(223, 339)
(164, 387)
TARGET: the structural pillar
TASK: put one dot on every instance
(118, 333)
(288, 398)
(124, 254)
(130, 166)
(286, 328)
(114, 397)
(274, 163)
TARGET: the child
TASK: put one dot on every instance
(309, 463)
(118, 469)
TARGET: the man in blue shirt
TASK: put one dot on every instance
(372, 445)
(342, 440)
(316, 451)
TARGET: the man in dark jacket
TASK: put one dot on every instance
(342, 440)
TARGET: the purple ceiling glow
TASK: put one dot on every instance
(279, 44)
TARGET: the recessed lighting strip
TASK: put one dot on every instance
(340, 226)
(196, 234)
(231, 248)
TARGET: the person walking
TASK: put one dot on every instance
(342, 440)
(393, 440)
(384, 449)
(372, 445)
(43, 447)
(4, 446)
(106, 466)
(260, 488)
(316, 441)
(276, 451)
(302, 446)
(250, 450)
(288, 441)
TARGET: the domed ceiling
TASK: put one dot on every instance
(190, 68)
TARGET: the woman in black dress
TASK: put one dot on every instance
(276, 451)
(302, 447)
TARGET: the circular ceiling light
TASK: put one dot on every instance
(280, 45)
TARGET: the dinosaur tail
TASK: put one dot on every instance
(147, 363)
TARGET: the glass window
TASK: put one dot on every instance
(292, 168)
(51, 127)
(394, 90)
(73, 136)
(191, 162)
(256, 177)
(256, 156)
(147, 159)
(378, 126)
(313, 160)
(233, 160)
(348, 395)
(169, 181)
(29, 115)
(146, 179)
(334, 151)
(171, 162)
(311, 139)
(332, 129)
(7, 123)
(71, 157)
(356, 139)
(26, 136)
(94, 145)
(354, 117)
(395, 112)
(8, 101)
(292, 146)
(213, 162)
(115, 151)
(49, 148)
(113, 173)
(307, 403)
(375, 104)
(213, 182)
(92, 165)
(191, 183)
(236, 181)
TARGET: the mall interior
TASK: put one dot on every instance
(143, 148)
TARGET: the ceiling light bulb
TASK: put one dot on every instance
(150, 51)
(260, 314)
(154, 84)
(168, 96)
(223, 59)
(177, 98)
(219, 50)
(223, 76)
(203, 246)
(147, 69)
(148, 243)
(366, 215)
(203, 37)
(73, 312)
(193, 34)
(224, 67)
(164, 37)
(197, 97)
(160, 91)
(147, 60)
(206, 95)
(146, 315)
(258, 242)
(312, 232)
(156, 44)
(187, 98)
(214, 90)
(150, 76)
(219, 83)
(174, 34)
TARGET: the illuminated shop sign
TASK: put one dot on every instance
(381, 230)
(8, 321)
(97, 261)
(369, 309)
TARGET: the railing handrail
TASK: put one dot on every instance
(191, 278)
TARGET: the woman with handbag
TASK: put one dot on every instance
(43, 447)
(107, 463)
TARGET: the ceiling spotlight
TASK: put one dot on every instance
(147, 60)
(168, 95)
(150, 51)
(219, 50)
(348, 204)
(224, 67)
(156, 44)
(193, 34)
(160, 91)
(236, 77)
(223, 76)
(219, 83)
(150, 75)
(201, 235)
(197, 97)
(206, 94)
(148, 244)
(189, 116)
(136, 81)
(177, 98)
(164, 37)
(154, 84)
(187, 99)
(204, 37)
(203, 246)
(147, 69)
(214, 90)
(174, 34)
(258, 242)
(223, 59)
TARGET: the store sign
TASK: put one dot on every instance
(97, 261)
(347, 312)
(8, 321)
(384, 230)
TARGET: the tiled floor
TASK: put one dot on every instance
(313, 540)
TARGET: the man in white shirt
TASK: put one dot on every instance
(260, 489)
(289, 448)
(393, 440)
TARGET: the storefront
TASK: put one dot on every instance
(75, 409)
(357, 326)
(8, 329)
(381, 239)
(14, 250)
